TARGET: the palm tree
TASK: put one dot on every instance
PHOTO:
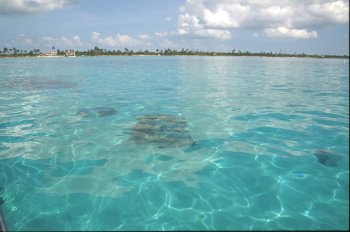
(37, 51)
(5, 50)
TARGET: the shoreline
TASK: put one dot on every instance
(217, 55)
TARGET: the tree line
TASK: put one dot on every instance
(96, 51)
(19, 52)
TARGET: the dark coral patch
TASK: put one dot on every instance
(105, 111)
(327, 157)
(162, 131)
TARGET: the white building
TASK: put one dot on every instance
(70, 53)
(50, 53)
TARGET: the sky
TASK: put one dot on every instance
(287, 26)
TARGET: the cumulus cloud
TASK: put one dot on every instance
(144, 36)
(190, 24)
(9, 7)
(290, 33)
(285, 18)
(120, 40)
(63, 42)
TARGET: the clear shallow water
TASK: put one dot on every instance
(194, 143)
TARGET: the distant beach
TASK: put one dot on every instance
(158, 52)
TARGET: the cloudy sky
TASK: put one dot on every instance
(309, 26)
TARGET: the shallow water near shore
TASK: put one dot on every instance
(174, 143)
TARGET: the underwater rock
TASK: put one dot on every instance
(162, 131)
(96, 112)
(105, 111)
(327, 157)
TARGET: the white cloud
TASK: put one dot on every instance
(63, 42)
(190, 24)
(330, 12)
(144, 36)
(285, 32)
(74, 42)
(9, 7)
(168, 18)
(215, 33)
(119, 40)
(225, 15)
(285, 18)
(161, 34)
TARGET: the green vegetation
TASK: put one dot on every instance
(13, 52)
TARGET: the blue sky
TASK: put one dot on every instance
(309, 26)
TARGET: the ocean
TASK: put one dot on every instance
(174, 143)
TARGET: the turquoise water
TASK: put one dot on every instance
(174, 143)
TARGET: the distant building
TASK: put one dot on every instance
(70, 53)
(50, 53)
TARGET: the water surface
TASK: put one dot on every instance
(174, 143)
